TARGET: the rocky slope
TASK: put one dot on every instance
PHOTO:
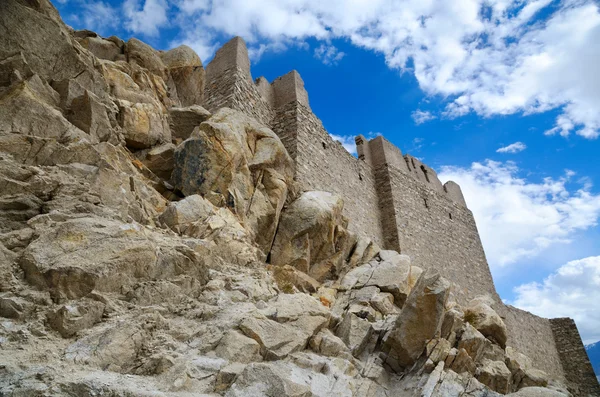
(151, 248)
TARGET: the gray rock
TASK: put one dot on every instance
(185, 120)
(73, 317)
(238, 348)
(420, 320)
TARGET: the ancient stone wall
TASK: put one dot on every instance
(532, 336)
(578, 370)
(439, 233)
(323, 164)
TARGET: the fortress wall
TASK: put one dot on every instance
(324, 164)
(579, 372)
(532, 336)
(285, 125)
(438, 233)
(229, 83)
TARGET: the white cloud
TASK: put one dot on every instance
(493, 57)
(328, 54)
(421, 117)
(519, 219)
(347, 142)
(513, 148)
(147, 17)
(571, 291)
(98, 16)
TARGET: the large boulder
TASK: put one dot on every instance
(187, 73)
(395, 275)
(184, 120)
(312, 236)
(196, 217)
(73, 258)
(144, 124)
(486, 321)
(234, 161)
(420, 320)
(495, 375)
(523, 372)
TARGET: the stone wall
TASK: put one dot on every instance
(532, 336)
(578, 370)
(439, 233)
(323, 164)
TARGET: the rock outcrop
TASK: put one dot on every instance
(135, 231)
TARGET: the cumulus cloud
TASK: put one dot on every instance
(492, 57)
(97, 15)
(571, 291)
(421, 117)
(520, 219)
(145, 17)
(513, 148)
(328, 54)
(347, 142)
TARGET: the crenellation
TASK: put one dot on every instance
(234, 54)
(393, 199)
(266, 91)
(454, 191)
(289, 88)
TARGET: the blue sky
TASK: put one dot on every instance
(450, 83)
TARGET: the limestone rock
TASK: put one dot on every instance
(238, 163)
(187, 72)
(310, 234)
(355, 332)
(48, 49)
(420, 320)
(23, 112)
(159, 160)
(364, 250)
(437, 349)
(238, 348)
(523, 373)
(102, 48)
(77, 256)
(327, 344)
(196, 217)
(90, 115)
(140, 53)
(114, 347)
(495, 375)
(537, 392)
(279, 340)
(290, 307)
(487, 321)
(185, 120)
(71, 318)
(473, 342)
(288, 278)
(144, 124)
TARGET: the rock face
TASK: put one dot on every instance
(312, 236)
(135, 231)
(237, 163)
(420, 320)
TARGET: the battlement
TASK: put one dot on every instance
(379, 151)
(393, 199)
(234, 54)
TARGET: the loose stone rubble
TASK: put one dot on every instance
(134, 230)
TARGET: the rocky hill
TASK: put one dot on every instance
(149, 247)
